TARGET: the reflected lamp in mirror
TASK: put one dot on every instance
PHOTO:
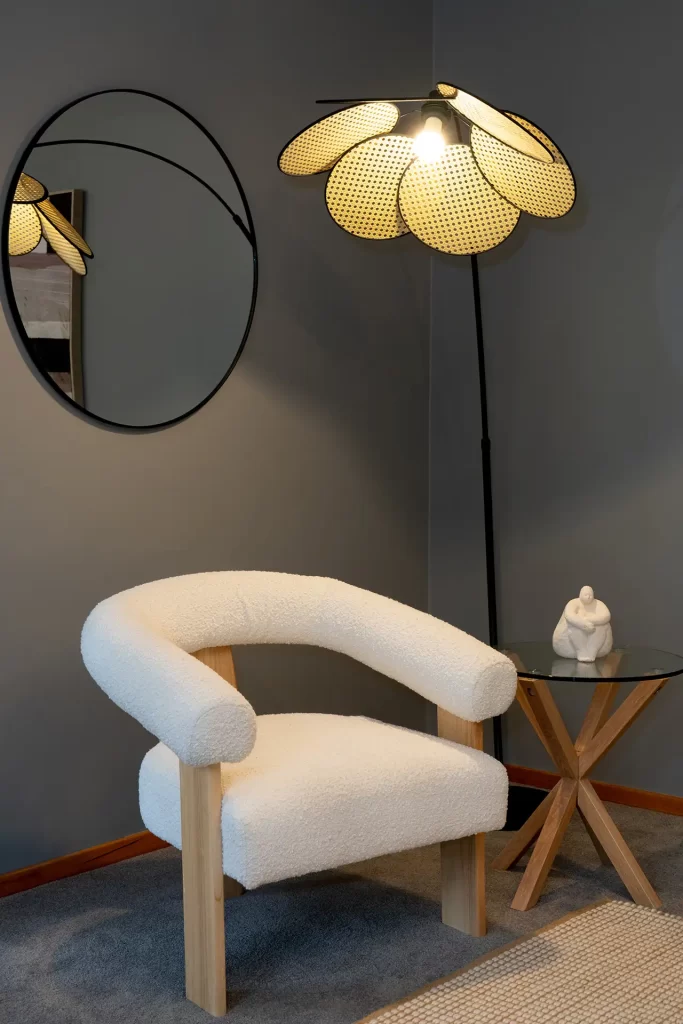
(34, 217)
(159, 322)
(454, 171)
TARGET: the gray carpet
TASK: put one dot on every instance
(107, 946)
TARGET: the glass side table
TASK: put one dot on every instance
(536, 664)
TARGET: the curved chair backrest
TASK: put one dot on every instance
(136, 646)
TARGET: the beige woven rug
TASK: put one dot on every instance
(612, 963)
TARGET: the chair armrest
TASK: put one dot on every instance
(177, 698)
(440, 662)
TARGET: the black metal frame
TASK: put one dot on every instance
(487, 487)
(9, 301)
(388, 99)
(164, 159)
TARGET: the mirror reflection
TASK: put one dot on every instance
(129, 259)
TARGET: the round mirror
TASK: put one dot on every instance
(129, 259)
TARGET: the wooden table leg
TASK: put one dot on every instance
(599, 732)
(547, 845)
(615, 726)
(526, 707)
(613, 843)
(557, 740)
(597, 714)
(599, 848)
(522, 840)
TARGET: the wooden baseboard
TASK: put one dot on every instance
(665, 802)
(77, 863)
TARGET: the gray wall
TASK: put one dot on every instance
(312, 458)
(584, 331)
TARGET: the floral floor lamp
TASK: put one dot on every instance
(457, 173)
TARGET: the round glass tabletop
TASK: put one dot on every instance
(622, 665)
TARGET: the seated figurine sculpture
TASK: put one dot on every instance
(584, 631)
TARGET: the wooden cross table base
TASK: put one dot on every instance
(575, 761)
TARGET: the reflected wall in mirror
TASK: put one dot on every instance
(129, 259)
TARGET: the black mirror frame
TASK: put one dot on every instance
(9, 301)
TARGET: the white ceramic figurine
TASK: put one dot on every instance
(584, 631)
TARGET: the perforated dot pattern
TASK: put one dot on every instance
(65, 227)
(450, 206)
(64, 249)
(613, 963)
(24, 229)
(362, 190)
(29, 190)
(544, 190)
(320, 145)
(495, 122)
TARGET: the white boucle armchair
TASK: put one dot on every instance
(261, 798)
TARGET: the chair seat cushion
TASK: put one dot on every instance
(320, 791)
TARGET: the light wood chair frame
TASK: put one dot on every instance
(205, 888)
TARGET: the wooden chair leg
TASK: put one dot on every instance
(463, 884)
(463, 863)
(203, 909)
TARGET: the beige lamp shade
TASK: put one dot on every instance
(62, 246)
(320, 145)
(362, 190)
(33, 216)
(449, 205)
(541, 189)
(24, 229)
(29, 190)
(457, 197)
(494, 122)
(50, 213)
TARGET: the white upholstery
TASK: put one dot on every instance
(300, 792)
(319, 791)
(137, 646)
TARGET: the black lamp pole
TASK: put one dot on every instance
(523, 800)
(489, 541)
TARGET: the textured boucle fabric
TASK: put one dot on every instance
(319, 791)
(137, 646)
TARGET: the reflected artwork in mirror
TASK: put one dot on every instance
(129, 259)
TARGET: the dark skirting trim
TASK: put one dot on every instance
(664, 802)
(77, 863)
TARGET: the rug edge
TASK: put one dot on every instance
(488, 956)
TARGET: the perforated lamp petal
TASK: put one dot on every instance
(460, 195)
(33, 216)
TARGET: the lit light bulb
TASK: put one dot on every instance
(430, 143)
